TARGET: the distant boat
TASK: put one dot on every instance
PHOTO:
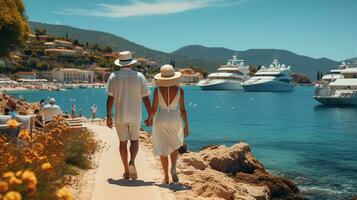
(340, 91)
(228, 77)
(274, 78)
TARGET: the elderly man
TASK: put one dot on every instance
(127, 89)
(51, 110)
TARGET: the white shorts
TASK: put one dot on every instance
(128, 131)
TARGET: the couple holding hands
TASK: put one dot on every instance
(126, 90)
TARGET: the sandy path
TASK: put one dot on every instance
(108, 183)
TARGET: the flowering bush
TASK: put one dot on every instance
(36, 166)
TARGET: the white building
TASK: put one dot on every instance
(69, 75)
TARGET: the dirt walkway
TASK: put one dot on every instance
(108, 182)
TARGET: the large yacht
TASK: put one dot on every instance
(274, 78)
(228, 77)
(335, 73)
(340, 91)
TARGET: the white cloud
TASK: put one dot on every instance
(142, 8)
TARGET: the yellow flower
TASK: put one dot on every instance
(24, 135)
(4, 187)
(12, 123)
(63, 194)
(14, 181)
(29, 177)
(46, 166)
(19, 173)
(12, 195)
(8, 174)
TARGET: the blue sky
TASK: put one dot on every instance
(316, 28)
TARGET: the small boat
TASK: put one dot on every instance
(274, 78)
(228, 77)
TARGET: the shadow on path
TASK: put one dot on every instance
(175, 187)
(129, 183)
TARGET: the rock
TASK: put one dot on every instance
(237, 158)
(193, 160)
(212, 184)
(220, 172)
(278, 187)
(21, 107)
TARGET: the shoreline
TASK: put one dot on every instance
(201, 175)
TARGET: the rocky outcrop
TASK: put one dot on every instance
(21, 107)
(220, 172)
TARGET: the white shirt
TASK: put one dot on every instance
(94, 109)
(50, 111)
(128, 87)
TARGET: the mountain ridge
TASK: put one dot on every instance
(299, 63)
(206, 58)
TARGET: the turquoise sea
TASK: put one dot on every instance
(290, 133)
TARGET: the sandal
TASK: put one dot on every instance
(132, 171)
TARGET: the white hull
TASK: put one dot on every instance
(220, 84)
(337, 101)
(268, 86)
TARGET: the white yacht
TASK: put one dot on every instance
(274, 78)
(228, 77)
(335, 73)
(339, 91)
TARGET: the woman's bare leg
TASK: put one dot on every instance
(174, 157)
(165, 167)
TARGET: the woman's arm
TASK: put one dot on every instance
(183, 112)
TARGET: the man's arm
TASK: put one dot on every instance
(109, 111)
(147, 104)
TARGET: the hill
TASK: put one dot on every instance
(299, 63)
(119, 44)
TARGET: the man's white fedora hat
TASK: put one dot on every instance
(125, 59)
(167, 76)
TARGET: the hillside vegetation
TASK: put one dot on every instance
(119, 44)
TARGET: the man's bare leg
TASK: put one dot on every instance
(134, 148)
(124, 155)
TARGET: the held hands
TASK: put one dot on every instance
(110, 122)
(149, 121)
(185, 131)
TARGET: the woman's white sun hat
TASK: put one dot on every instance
(167, 76)
(125, 59)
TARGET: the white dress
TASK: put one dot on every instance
(167, 133)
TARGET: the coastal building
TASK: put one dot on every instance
(101, 74)
(62, 54)
(49, 45)
(71, 75)
(26, 75)
(190, 76)
(62, 43)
